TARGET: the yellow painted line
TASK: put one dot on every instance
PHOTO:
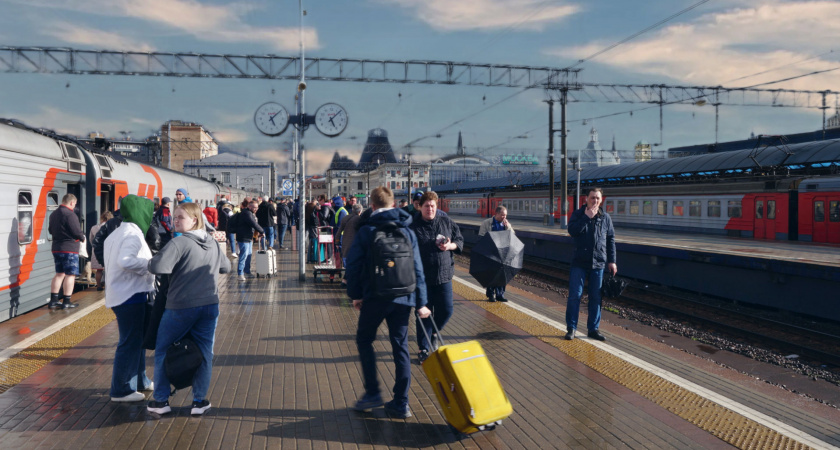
(29, 360)
(722, 417)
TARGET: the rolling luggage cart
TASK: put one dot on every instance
(332, 266)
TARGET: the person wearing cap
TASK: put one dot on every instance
(182, 196)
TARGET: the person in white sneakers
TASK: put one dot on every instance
(129, 282)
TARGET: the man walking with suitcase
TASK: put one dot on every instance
(385, 286)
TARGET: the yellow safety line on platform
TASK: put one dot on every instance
(28, 361)
(719, 421)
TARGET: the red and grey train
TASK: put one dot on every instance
(38, 170)
(805, 208)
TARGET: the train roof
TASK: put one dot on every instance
(765, 159)
(16, 137)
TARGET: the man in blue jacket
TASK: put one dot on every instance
(594, 237)
(396, 312)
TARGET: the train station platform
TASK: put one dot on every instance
(286, 375)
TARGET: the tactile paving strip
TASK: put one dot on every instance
(719, 421)
(28, 361)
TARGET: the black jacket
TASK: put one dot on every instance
(246, 223)
(438, 266)
(66, 230)
(266, 214)
(98, 243)
(224, 217)
(594, 239)
(283, 214)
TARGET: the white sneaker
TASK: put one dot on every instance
(151, 387)
(234, 255)
(242, 278)
(132, 397)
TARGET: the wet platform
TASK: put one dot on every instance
(286, 373)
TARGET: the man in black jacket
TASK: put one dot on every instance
(283, 216)
(246, 223)
(266, 218)
(594, 237)
(66, 231)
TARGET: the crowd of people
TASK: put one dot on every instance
(159, 267)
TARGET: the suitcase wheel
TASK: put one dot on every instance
(489, 426)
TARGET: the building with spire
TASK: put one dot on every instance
(377, 150)
(593, 155)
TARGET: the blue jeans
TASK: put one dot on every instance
(200, 323)
(576, 278)
(440, 302)
(269, 235)
(396, 316)
(244, 257)
(129, 373)
(232, 242)
(282, 235)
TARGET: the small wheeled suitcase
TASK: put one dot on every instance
(266, 260)
(467, 388)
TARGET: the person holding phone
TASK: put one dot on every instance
(438, 237)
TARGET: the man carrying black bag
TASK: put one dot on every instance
(385, 280)
(594, 237)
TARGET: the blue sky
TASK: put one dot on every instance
(711, 45)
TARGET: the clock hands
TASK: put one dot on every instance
(271, 119)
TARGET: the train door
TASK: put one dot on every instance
(76, 189)
(765, 218)
(826, 212)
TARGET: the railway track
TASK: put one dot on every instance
(758, 328)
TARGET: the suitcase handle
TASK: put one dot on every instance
(437, 331)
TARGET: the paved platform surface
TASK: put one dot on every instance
(286, 373)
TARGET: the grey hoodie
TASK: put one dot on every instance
(195, 261)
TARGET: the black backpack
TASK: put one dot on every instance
(391, 263)
(182, 360)
(233, 223)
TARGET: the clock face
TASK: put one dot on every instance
(331, 119)
(271, 119)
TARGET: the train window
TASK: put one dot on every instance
(734, 208)
(540, 206)
(527, 205)
(819, 211)
(24, 226)
(661, 207)
(75, 163)
(520, 205)
(634, 207)
(677, 208)
(713, 208)
(610, 207)
(759, 209)
(834, 211)
(694, 208)
(52, 205)
(621, 207)
(771, 209)
(647, 207)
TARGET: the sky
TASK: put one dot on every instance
(731, 43)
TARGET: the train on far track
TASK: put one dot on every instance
(777, 193)
(38, 169)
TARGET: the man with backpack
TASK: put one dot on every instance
(385, 280)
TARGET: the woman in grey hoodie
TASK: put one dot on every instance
(194, 261)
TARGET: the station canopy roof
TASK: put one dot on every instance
(773, 156)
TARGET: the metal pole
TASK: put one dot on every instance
(578, 168)
(301, 158)
(409, 178)
(551, 199)
(564, 170)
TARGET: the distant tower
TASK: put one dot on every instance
(642, 151)
(377, 150)
(461, 150)
(615, 152)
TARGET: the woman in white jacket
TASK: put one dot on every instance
(129, 282)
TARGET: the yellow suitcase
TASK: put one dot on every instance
(467, 388)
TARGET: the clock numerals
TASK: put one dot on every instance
(331, 119)
(271, 119)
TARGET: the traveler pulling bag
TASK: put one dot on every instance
(391, 263)
(182, 360)
(266, 261)
(612, 286)
(468, 391)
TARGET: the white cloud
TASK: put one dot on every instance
(456, 15)
(231, 136)
(76, 34)
(216, 23)
(718, 48)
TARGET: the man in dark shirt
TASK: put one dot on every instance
(245, 226)
(66, 231)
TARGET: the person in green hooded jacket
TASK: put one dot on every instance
(129, 282)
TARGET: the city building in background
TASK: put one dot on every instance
(184, 141)
(237, 171)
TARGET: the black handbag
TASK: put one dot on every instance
(182, 360)
(612, 287)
